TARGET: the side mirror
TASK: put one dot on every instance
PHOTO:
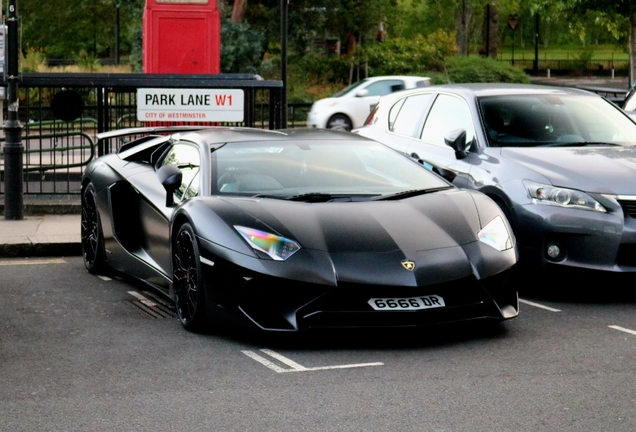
(456, 139)
(362, 93)
(170, 177)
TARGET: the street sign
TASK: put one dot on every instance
(190, 105)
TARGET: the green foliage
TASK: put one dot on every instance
(34, 60)
(86, 62)
(64, 29)
(399, 56)
(241, 48)
(328, 68)
(479, 69)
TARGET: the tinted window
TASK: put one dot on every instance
(381, 88)
(327, 166)
(186, 158)
(410, 113)
(448, 113)
(534, 120)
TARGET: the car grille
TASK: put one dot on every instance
(629, 207)
(348, 307)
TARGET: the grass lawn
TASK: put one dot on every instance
(576, 52)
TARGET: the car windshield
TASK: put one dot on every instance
(554, 120)
(347, 89)
(318, 170)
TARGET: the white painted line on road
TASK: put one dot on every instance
(295, 367)
(143, 299)
(623, 329)
(104, 278)
(32, 262)
(292, 364)
(540, 306)
(264, 361)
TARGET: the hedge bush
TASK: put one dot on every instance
(399, 56)
(480, 69)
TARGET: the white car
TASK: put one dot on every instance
(349, 108)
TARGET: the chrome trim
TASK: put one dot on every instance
(206, 261)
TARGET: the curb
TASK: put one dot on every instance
(46, 208)
(23, 250)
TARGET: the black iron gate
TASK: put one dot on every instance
(56, 150)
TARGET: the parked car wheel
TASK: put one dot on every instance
(339, 122)
(189, 287)
(91, 232)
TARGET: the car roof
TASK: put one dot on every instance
(383, 77)
(502, 89)
(222, 135)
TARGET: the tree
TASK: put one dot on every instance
(619, 17)
(80, 25)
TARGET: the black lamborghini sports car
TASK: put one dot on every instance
(290, 230)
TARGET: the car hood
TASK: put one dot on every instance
(435, 221)
(591, 169)
(330, 101)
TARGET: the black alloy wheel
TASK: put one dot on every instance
(188, 281)
(91, 232)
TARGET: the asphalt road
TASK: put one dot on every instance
(78, 353)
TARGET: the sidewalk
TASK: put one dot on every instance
(49, 228)
(46, 235)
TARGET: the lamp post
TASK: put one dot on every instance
(535, 66)
(13, 148)
(513, 21)
(284, 4)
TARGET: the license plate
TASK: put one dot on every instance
(408, 303)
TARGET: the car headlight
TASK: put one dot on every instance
(496, 235)
(562, 197)
(276, 247)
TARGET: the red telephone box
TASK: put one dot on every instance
(182, 37)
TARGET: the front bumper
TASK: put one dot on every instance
(316, 119)
(588, 240)
(278, 304)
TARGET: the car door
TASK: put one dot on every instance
(154, 215)
(448, 113)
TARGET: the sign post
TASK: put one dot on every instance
(190, 105)
(13, 148)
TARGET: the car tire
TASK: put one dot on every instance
(92, 237)
(339, 122)
(188, 282)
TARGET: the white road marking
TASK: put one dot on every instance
(623, 329)
(264, 361)
(143, 299)
(104, 278)
(292, 364)
(295, 367)
(529, 303)
(32, 262)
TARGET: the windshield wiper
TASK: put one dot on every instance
(326, 197)
(580, 144)
(411, 193)
(262, 195)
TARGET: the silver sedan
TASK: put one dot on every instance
(560, 162)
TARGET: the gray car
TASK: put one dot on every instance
(629, 104)
(560, 162)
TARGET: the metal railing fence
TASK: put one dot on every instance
(55, 151)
